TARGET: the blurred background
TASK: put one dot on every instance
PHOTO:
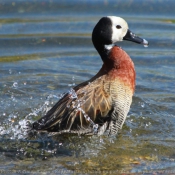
(46, 48)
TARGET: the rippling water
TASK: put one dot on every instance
(46, 48)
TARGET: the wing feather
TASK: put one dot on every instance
(67, 113)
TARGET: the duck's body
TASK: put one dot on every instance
(104, 100)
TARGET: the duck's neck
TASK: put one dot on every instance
(102, 50)
(117, 64)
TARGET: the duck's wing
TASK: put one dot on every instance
(85, 104)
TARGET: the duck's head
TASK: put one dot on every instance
(110, 30)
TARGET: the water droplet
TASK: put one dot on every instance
(145, 43)
(15, 84)
(95, 128)
(78, 106)
(73, 94)
(142, 104)
(69, 85)
(83, 113)
(101, 140)
(47, 103)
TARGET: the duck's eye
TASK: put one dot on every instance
(118, 27)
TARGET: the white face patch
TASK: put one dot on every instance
(118, 33)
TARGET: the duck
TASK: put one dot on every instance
(101, 104)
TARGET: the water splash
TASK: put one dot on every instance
(72, 84)
(14, 129)
(15, 85)
(73, 94)
(142, 104)
(14, 126)
(77, 105)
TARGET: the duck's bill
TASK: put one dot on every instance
(130, 36)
